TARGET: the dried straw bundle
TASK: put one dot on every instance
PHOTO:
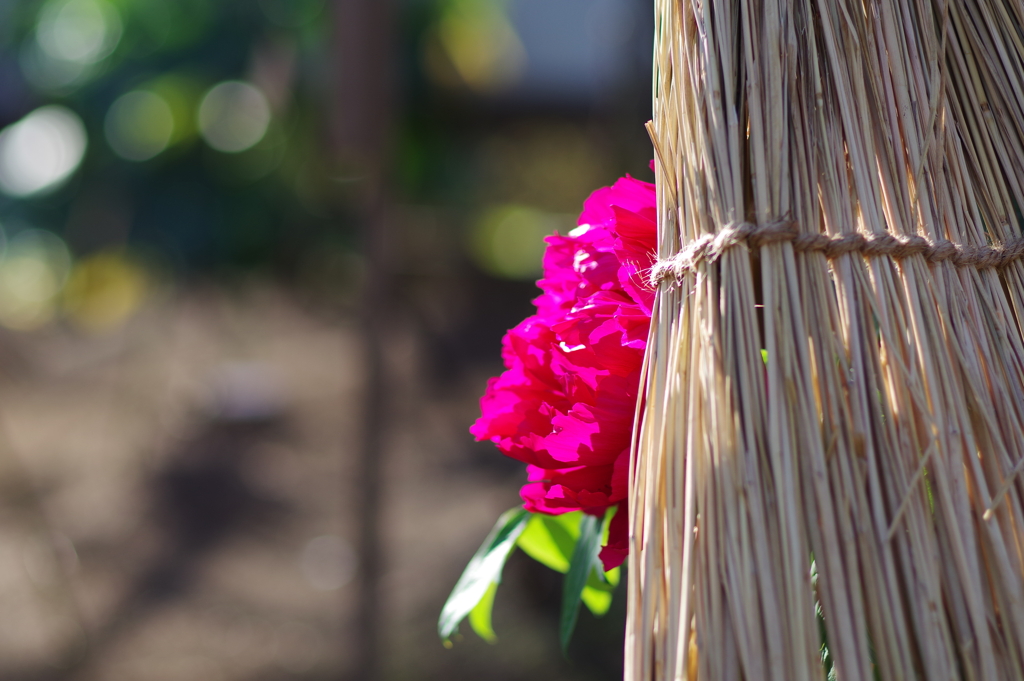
(836, 365)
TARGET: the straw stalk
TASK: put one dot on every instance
(830, 444)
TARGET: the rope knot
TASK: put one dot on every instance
(710, 247)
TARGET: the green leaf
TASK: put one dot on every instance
(597, 594)
(603, 581)
(598, 601)
(484, 569)
(480, 616)
(551, 540)
(607, 523)
(584, 561)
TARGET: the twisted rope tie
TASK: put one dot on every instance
(710, 248)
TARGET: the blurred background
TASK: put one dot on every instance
(256, 259)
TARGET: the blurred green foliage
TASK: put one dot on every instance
(140, 138)
(161, 170)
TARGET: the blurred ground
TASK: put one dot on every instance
(195, 196)
(177, 504)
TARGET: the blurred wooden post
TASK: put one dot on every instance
(362, 123)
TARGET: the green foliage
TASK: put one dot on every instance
(481, 576)
(480, 616)
(584, 561)
(567, 543)
(598, 601)
(551, 540)
(827, 663)
(187, 205)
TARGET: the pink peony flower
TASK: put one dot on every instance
(566, 403)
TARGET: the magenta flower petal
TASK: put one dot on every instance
(566, 403)
(615, 551)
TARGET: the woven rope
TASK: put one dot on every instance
(710, 248)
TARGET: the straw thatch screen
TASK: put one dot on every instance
(833, 427)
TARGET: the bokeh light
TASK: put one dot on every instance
(41, 150)
(47, 73)
(33, 271)
(475, 43)
(233, 116)
(104, 290)
(196, 340)
(508, 240)
(328, 563)
(139, 125)
(81, 31)
(182, 92)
